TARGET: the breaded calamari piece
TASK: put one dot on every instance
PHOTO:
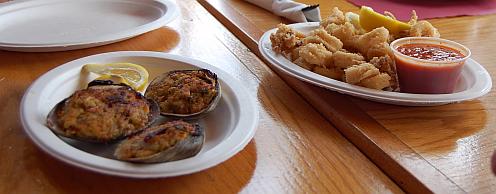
(382, 63)
(377, 82)
(336, 17)
(316, 54)
(413, 18)
(294, 54)
(332, 43)
(357, 73)
(302, 63)
(346, 33)
(406, 33)
(331, 27)
(378, 50)
(354, 19)
(374, 43)
(344, 60)
(425, 29)
(390, 15)
(333, 73)
(386, 64)
(285, 39)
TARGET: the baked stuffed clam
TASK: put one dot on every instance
(173, 140)
(104, 112)
(186, 94)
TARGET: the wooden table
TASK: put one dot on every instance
(295, 150)
(443, 149)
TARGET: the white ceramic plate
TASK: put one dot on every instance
(475, 80)
(58, 25)
(228, 129)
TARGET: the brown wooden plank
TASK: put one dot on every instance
(397, 159)
(295, 149)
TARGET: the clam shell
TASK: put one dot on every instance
(196, 115)
(52, 118)
(188, 147)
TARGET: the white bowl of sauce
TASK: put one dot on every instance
(427, 65)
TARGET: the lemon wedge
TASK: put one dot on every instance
(369, 20)
(131, 74)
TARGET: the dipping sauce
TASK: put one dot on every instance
(428, 65)
(430, 52)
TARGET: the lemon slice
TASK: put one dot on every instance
(369, 20)
(114, 78)
(131, 74)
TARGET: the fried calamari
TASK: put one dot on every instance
(316, 54)
(285, 39)
(340, 49)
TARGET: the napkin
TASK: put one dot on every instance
(294, 11)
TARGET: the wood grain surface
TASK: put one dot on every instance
(443, 149)
(295, 149)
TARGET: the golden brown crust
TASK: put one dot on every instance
(374, 43)
(333, 73)
(320, 36)
(316, 54)
(183, 92)
(155, 139)
(335, 17)
(367, 75)
(344, 60)
(423, 28)
(285, 39)
(346, 33)
(377, 82)
(386, 64)
(357, 73)
(302, 63)
(103, 113)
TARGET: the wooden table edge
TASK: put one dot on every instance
(348, 118)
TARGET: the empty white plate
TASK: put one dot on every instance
(58, 25)
(228, 128)
(475, 81)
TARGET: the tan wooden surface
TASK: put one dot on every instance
(443, 149)
(295, 149)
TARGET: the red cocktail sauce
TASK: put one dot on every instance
(430, 52)
(428, 77)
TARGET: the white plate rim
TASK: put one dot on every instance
(54, 146)
(170, 14)
(482, 85)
